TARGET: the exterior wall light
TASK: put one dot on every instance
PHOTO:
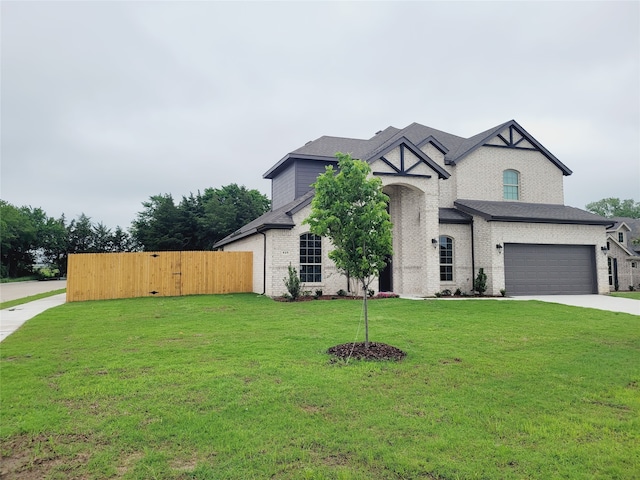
(434, 242)
(604, 249)
(499, 247)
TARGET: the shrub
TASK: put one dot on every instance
(480, 283)
(318, 293)
(341, 293)
(631, 288)
(458, 292)
(292, 282)
(503, 292)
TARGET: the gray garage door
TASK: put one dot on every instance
(532, 269)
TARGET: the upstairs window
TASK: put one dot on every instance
(510, 185)
(446, 259)
(621, 237)
(310, 258)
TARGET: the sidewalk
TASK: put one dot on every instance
(12, 318)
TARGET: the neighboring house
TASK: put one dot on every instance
(493, 201)
(622, 254)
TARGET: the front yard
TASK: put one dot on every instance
(239, 387)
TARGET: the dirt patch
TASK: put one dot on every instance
(359, 351)
(25, 457)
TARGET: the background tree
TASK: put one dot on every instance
(158, 226)
(18, 235)
(198, 221)
(614, 207)
(28, 235)
(350, 209)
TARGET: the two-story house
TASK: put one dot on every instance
(493, 201)
(623, 255)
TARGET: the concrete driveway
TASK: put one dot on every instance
(15, 290)
(600, 302)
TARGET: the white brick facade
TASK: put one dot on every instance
(418, 189)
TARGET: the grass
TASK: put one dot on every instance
(239, 387)
(633, 295)
(31, 298)
(18, 279)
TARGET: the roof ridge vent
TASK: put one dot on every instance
(379, 131)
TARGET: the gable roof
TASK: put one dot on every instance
(282, 218)
(493, 211)
(453, 147)
(479, 140)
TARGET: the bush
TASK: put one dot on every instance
(47, 273)
(292, 282)
(341, 293)
(480, 283)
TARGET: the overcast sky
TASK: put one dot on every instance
(107, 103)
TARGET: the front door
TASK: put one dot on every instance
(385, 283)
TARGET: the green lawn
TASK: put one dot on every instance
(239, 387)
(634, 295)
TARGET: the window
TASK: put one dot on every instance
(621, 237)
(609, 267)
(511, 185)
(310, 258)
(446, 259)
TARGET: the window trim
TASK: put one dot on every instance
(446, 269)
(310, 263)
(510, 187)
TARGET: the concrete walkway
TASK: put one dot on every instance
(12, 318)
(599, 302)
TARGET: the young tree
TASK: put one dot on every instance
(614, 207)
(350, 209)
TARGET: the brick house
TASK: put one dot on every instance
(493, 201)
(623, 257)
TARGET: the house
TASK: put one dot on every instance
(493, 201)
(623, 256)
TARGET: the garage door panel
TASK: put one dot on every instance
(533, 269)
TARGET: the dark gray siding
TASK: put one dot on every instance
(283, 187)
(532, 269)
(306, 173)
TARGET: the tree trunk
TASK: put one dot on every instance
(366, 316)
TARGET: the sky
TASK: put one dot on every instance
(104, 104)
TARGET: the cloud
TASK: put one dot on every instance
(107, 103)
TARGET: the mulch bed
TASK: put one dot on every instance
(376, 351)
(309, 298)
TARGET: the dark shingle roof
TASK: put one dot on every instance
(451, 215)
(529, 212)
(454, 147)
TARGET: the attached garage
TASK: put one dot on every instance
(534, 269)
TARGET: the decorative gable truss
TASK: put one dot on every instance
(402, 158)
(511, 138)
(508, 135)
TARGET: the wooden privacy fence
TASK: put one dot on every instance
(101, 276)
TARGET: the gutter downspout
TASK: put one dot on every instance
(264, 262)
(473, 258)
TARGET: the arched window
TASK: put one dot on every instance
(446, 259)
(511, 185)
(310, 258)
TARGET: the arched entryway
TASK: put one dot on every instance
(405, 271)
